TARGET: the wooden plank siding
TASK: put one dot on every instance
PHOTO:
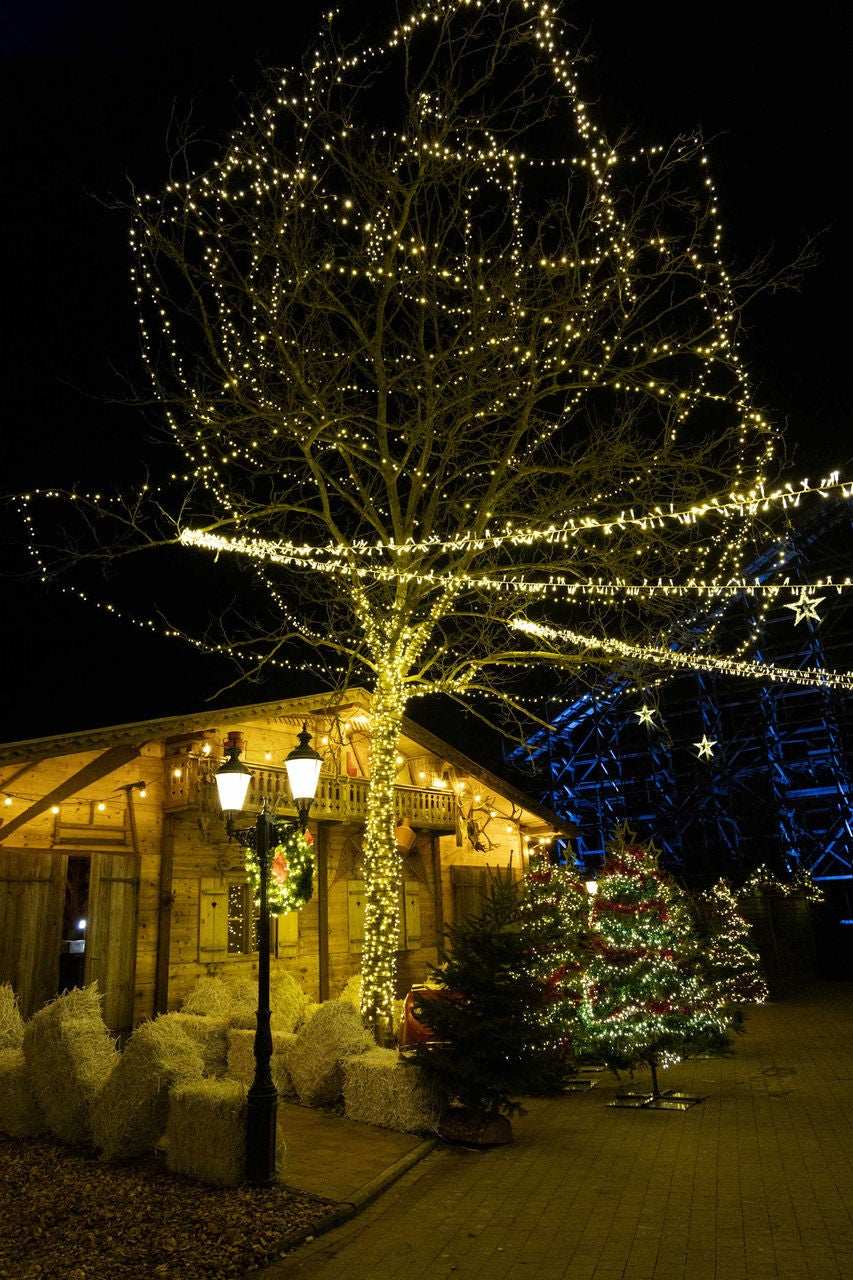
(32, 898)
(152, 856)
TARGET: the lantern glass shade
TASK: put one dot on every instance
(303, 766)
(592, 887)
(232, 783)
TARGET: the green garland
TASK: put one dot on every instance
(291, 878)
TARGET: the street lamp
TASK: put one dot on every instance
(232, 782)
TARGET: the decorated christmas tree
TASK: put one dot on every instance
(491, 1041)
(732, 967)
(646, 997)
(555, 922)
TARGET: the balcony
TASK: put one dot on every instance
(337, 799)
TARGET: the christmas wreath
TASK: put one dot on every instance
(291, 879)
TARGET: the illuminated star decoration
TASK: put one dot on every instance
(645, 715)
(705, 747)
(805, 606)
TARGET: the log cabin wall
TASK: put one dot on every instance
(163, 884)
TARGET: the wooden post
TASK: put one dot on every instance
(322, 872)
(164, 914)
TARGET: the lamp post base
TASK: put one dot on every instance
(261, 1122)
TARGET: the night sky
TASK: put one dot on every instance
(89, 90)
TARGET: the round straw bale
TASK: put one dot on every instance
(70, 1056)
(129, 1114)
(11, 1022)
(20, 1114)
(314, 1060)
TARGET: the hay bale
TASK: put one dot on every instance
(241, 1059)
(11, 1022)
(314, 1059)
(70, 1056)
(289, 1003)
(210, 1034)
(352, 991)
(206, 1132)
(244, 1004)
(20, 1114)
(129, 1114)
(380, 1089)
(209, 998)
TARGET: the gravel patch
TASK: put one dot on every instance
(67, 1216)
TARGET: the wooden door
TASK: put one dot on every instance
(111, 934)
(32, 897)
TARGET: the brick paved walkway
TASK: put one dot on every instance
(755, 1183)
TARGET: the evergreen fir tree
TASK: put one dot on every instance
(555, 921)
(646, 998)
(733, 968)
(491, 1041)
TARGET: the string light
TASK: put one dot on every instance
(385, 350)
(692, 661)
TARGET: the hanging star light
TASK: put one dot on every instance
(645, 715)
(705, 748)
(805, 606)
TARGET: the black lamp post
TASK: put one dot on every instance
(232, 781)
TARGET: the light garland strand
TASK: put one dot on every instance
(687, 661)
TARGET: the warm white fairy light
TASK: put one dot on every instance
(386, 362)
(805, 606)
(574, 642)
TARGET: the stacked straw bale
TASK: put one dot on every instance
(206, 1131)
(241, 1058)
(314, 1059)
(209, 998)
(210, 1034)
(130, 1112)
(20, 1114)
(11, 1022)
(380, 1089)
(70, 1055)
(289, 1003)
(352, 991)
(244, 1004)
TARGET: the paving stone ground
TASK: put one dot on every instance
(754, 1183)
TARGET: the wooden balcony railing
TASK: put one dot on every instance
(337, 799)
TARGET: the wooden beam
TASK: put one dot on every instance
(322, 874)
(105, 763)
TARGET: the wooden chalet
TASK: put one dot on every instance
(115, 864)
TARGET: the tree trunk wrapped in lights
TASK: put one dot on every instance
(441, 359)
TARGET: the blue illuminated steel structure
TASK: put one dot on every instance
(778, 784)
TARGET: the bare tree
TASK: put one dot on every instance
(436, 352)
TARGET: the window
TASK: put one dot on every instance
(228, 920)
(410, 915)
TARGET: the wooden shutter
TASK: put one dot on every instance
(287, 935)
(213, 921)
(355, 914)
(32, 894)
(410, 922)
